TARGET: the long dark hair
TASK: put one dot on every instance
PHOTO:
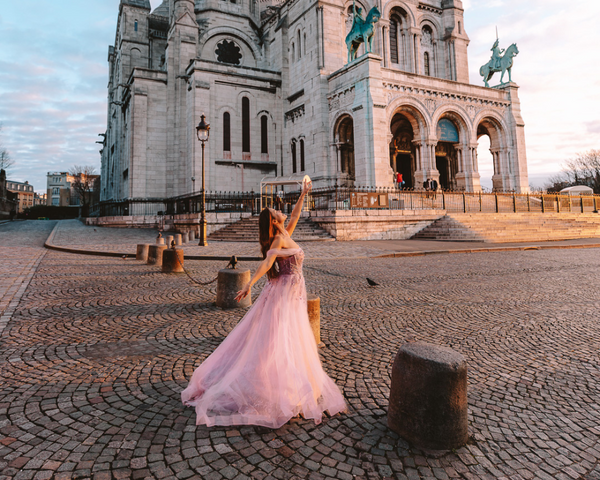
(266, 234)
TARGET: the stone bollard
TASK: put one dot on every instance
(155, 254)
(142, 252)
(189, 236)
(160, 240)
(229, 282)
(172, 261)
(428, 396)
(313, 304)
(168, 241)
(177, 238)
(193, 235)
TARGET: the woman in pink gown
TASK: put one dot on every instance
(268, 369)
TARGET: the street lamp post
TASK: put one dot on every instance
(202, 131)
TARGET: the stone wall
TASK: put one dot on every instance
(374, 224)
(170, 223)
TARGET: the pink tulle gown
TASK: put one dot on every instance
(268, 369)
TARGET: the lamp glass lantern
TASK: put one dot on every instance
(202, 130)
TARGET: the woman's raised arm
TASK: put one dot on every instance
(295, 216)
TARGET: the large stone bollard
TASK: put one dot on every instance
(160, 240)
(189, 235)
(169, 241)
(229, 282)
(142, 252)
(178, 239)
(155, 254)
(313, 304)
(172, 261)
(428, 396)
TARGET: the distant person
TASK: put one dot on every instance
(13, 213)
(399, 180)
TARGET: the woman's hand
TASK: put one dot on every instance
(306, 187)
(243, 293)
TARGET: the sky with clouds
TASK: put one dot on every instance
(53, 77)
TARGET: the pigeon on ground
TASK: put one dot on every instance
(124, 257)
(372, 283)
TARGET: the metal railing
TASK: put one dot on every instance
(354, 198)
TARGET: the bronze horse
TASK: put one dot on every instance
(362, 31)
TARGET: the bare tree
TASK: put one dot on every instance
(584, 169)
(83, 184)
(5, 161)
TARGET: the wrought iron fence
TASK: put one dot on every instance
(355, 198)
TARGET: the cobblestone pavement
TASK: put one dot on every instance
(95, 355)
(22, 248)
(72, 233)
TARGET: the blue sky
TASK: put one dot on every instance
(53, 76)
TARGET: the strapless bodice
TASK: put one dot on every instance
(291, 265)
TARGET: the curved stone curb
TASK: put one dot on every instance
(99, 253)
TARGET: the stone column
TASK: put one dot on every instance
(385, 29)
(516, 126)
(473, 183)
(497, 183)
(461, 176)
(420, 175)
(427, 155)
(417, 52)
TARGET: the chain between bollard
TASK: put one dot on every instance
(192, 278)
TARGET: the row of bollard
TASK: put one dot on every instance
(428, 392)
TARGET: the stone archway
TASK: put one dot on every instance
(454, 153)
(502, 167)
(408, 124)
(344, 141)
(446, 157)
(402, 149)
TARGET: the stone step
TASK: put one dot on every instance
(511, 227)
(246, 230)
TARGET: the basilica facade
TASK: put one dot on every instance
(284, 99)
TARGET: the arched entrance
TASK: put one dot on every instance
(446, 158)
(491, 162)
(345, 143)
(402, 158)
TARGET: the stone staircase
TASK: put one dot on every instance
(512, 227)
(246, 230)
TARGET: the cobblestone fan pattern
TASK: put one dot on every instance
(22, 248)
(96, 354)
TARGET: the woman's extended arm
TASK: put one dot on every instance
(295, 216)
(263, 268)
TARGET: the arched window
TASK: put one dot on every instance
(304, 46)
(135, 26)
(302, 155)
(394, 40)
(294, 167)
(299, 46)
(245, 125)
(226, 132)
(427, 47)
(264, 135)
(293, 53)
